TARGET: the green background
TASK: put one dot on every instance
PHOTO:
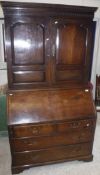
(3, 118)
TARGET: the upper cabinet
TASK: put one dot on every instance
(48, 45)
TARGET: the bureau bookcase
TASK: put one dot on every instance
(50, 110)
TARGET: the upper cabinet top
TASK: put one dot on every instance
(20, 8)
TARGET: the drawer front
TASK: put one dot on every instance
(49, 129)
(80, 136)
(31, 130)
(74, 125)
(52, 154)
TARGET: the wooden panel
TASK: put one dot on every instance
(51, 154)
(49, 105)
(28, 43)
(71, 51)
(28, 76)
(72, 137)
(65, 75)
(71, 44)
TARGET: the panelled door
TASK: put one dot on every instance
(44, 52)
(28, 51)
(71, 51)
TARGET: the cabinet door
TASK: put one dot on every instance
(71, 51)
(27, 46)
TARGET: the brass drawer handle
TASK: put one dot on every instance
(75, 124)
(88, 124)
(30, 143)
(35, 130)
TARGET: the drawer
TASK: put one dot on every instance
(52, 154)
(35, 143)
(31, 130)
(48, 129)
(74, 125)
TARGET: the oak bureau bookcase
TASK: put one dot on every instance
(51, 113)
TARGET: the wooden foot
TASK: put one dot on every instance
(87, 158)
(17, 170)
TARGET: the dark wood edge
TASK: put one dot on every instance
(16, 88)
(11, 8)
(93, 118)
(46, 5)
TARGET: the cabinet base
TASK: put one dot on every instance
(19, 169)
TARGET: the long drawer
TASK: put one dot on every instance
(19, 131)
(72, 137)
(51, 154)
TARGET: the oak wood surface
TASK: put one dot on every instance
(45, 105)
(51, 154)
(34, 143)
(48, 47)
